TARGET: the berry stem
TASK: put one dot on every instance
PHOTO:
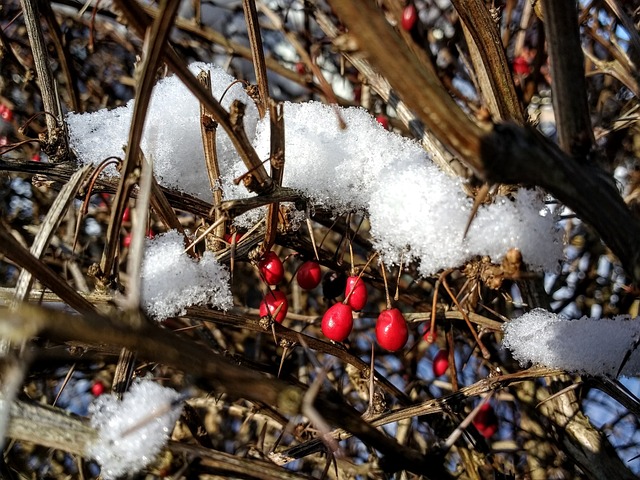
(375, 254)
(313, 240)
(386, 284)
(483, 349)
(434, 304)
(397, 294)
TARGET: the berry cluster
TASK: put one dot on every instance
(337, 322)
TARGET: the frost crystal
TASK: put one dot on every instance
(587, 345)
(132, 432)
(173, 281)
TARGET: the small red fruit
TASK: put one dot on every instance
(271, 268)
(391, 330)
(358, 299)
(383, 120)
(228, 237)
(97, 388)
(301, 68)
(36, 157)
(126, 241)
(441, 362)
(409, 17)
(486, 421)
(126, 216)
(6, 113)
(309, 275)
(430, 337)
(272, 300)
(337, 322)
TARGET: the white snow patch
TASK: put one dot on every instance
(173, 281)
(132, 432)
(171, 135)
(587, 345)
(413, 207)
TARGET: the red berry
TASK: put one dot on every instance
(391, 330)
(309, 275)
(337, 322)
(97, 388)
(271, 268)
(358, 299)
(409, 17)
(272, 300)
(150, 234)
(486, 421)
(6, 113)
(382, 120)
(228, 237)
(36, 157)
(430, 337)
(301, 68)
(126, 241)
(126, 216)
(441, 363)
(521, 66)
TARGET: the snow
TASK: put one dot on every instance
(173, 281)
(132, 432)
(587, 345)
(413, 207)
(172, 135)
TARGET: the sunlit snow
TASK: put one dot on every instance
(413, 207)
(172, 280)
(586, 345)
(132, 432)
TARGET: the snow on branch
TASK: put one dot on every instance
(173, 281)
(587, 345)
(132, 432)
(413, 207)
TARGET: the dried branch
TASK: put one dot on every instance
(257, 54)
(158, 345)
(139, 20)
(154, 45)
(489, 60)
(57, 141)
(575, 134)
(504, 154)
(14, 251)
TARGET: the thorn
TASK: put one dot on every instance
(480, 197)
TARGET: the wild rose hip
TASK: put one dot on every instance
(271, 268)
(273, 300)
(337, 322)
(358, 299)
(441, 363)
(309, 275)
(391, 330)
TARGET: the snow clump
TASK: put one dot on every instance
(173, 281)
(587, 345)
(132, 432)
